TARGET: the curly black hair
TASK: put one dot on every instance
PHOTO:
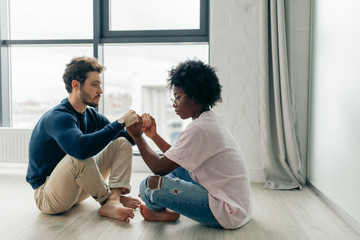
(199, 82)
(78, 69)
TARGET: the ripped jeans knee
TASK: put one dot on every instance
(147, 189)
(154, 182)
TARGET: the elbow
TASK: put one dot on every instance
(156, 170)
(159, 170)
(162, 166)
(81, 155)
(158, 165)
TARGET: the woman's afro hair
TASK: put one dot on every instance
(198, 80)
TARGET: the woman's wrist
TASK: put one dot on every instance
(155, 136)
(137, 136)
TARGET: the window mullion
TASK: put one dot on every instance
(5, 113)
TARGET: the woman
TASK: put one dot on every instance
(203, 176)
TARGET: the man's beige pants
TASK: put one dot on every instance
(73, 180)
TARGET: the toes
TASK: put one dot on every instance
(134, 205)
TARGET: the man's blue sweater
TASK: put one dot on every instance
(61, 131)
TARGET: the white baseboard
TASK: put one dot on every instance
(13, 165)
(339, 210)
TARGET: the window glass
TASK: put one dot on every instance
(135, 78)
(154, 14)
(44, 19)
(36, 79)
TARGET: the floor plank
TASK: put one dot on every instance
(196, 231)
(276, 215)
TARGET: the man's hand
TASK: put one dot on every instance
(130, 118)
(135, 129)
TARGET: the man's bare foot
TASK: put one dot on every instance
(165, 215)
(115, 209)
(130, 202)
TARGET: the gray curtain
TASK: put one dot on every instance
(279, 129)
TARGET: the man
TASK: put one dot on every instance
(73, 149)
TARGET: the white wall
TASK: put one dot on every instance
(234, 52)
(334, 160)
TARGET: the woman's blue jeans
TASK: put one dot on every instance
(180, 194)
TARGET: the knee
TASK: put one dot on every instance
(148, 186)
(88, 162)
(122, 142)
(151, 182)
(77, 165)
(154, 182)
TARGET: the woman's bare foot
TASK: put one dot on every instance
(116, 210)
(130, 202)
(165, 215)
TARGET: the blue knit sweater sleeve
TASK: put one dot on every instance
(65, 129)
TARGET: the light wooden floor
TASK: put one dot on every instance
(276, 215)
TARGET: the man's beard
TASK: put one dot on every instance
(85, 98)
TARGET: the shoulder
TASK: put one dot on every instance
(57, 111)
(194, 128)
(207, 121)
(207, 118)
(58, 116)
(212, 127)
(61, 112)
(62, 109)
(54, 120)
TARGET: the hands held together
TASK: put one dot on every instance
(136, 124)
(130, 118)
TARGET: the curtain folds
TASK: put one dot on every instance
(279, 143)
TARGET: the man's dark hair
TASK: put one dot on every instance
(78, 69)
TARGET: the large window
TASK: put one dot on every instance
(137, 41)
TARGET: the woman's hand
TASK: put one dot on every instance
(149, 127)
(135, 129)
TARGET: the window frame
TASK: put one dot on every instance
(149, 36)
(5, 91)
(101, 35)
